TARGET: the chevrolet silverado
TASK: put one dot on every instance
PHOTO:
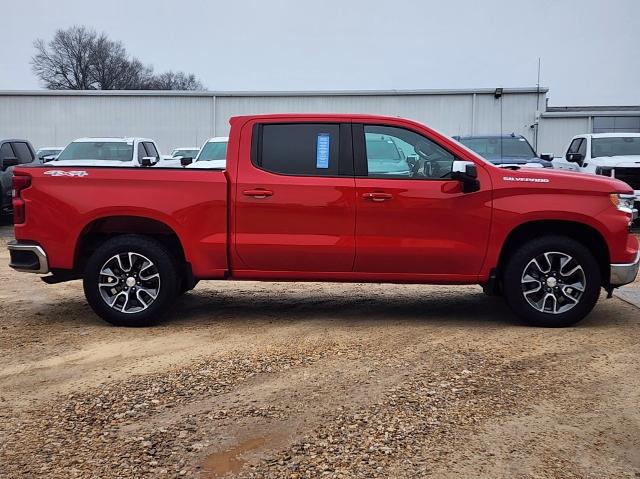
(319, 197)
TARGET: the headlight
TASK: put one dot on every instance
(624, 202)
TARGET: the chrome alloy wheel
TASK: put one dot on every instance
(129, 282)
(553, 282)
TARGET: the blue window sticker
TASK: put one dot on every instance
(322, 150)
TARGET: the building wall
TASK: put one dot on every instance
(188, 119)
(556, 132)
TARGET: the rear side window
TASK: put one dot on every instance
(309, 149)
(23, 152)
(6, 151)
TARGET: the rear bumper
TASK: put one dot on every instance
(624, 273)
(28, 258)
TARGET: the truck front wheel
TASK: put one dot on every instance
(130, 280)
(552, 281)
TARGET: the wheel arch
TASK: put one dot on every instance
(581, 232)
(100, 229)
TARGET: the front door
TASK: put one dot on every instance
(411, 218)
(295, 200)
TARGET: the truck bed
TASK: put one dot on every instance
(72, 201)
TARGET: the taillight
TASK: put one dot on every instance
(19, 183)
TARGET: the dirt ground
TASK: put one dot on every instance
(313, 380)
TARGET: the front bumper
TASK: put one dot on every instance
(28, 258)
(624, 273)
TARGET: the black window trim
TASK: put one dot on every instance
(345, 148)
(360, 153)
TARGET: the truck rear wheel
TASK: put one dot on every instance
(552, 281)
(130, 280)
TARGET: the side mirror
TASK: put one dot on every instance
(186, 160)
(467, 173)
(148, 161)
(575, 158)
(546, 156)
(9, 161)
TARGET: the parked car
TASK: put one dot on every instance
(298, 201)
(212, 155)
(506, 151)
(108, 152)
(185, 152)
(48, 153)
(609, 154)
(12, 153)
(179, 157)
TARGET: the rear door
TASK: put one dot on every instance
(294, 206)
(411, 218)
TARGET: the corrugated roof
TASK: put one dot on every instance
(576, 109)
(266, 93)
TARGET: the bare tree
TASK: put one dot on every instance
(175, 81)
(81, 59)
(64, 63)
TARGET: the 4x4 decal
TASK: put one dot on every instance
(78, 173)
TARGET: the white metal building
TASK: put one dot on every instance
(54, 118)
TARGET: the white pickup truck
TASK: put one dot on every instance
(109, 152)
(212, 155)
(609, 154)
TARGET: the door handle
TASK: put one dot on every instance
(375, 196)
(258, 193)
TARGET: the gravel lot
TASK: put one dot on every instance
(313, 380)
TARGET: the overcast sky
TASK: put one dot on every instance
(589, 48)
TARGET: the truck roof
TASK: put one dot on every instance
(109, 139)
(612, 135)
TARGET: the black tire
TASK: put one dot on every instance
(555, 246)
(163, 263)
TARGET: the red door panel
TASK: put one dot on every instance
(306, 224)
(420, 227)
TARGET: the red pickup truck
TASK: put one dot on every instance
(316, 197)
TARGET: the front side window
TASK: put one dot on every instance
(308, 149)
(393, 152)
(615, 146)
(142, 151)
(151, 149)
(23, 152)
(6, 151)
(575, 145)
(97, 150)
(213, 150)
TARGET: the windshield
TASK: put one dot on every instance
(185, 153)
(615, 146)
(498, 148)
(214, 150)
(90, 150)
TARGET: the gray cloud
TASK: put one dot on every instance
(588, 47)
